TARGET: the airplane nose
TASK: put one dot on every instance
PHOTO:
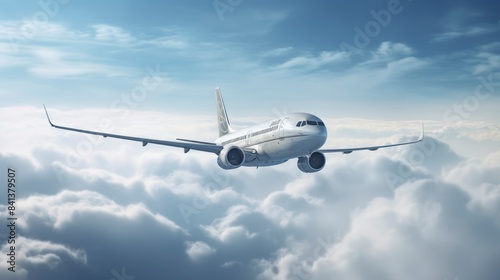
(318, 133)
(322, 131)
(320, 136)
(323, 134)
(319, 130)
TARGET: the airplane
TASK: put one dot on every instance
(295, 135)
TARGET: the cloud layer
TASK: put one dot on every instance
(418, 212)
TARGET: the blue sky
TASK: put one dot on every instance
(416, 63)
(93, 208)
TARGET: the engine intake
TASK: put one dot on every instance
(313, 163)
(231, 158)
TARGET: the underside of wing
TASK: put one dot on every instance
(186, 145)
(373, 148)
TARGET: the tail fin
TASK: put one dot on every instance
(223, 121)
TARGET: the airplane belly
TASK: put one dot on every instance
(291, 147)
(282, 149)
(262, 159)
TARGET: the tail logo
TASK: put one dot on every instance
(222, 117)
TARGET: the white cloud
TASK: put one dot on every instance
(488, 63)
(227, 230)
(404, 65)
(53, 63)
(277, 52)
(25, 31)
(309, 62)
(460, 22)
(266, 223)
(170, 42)
(390, 235)
(481, 181)
(491, 47)
(198, 250)
(110, 33)
(32, 253)
(454, 32)
(389, 51)
(61, 209)
(389, 61)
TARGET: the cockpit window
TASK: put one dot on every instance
(302, 123)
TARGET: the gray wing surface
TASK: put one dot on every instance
(373, 148)
(198, 145)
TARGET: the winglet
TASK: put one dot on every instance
(421, 137)
(47, 114)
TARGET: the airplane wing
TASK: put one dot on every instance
(373, 148)
(186, 144)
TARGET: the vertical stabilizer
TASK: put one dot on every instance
(222, 119)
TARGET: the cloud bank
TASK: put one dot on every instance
(420, 212)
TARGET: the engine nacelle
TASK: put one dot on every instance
(231, 158)
(313, 163)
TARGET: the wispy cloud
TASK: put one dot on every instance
(118, 36)
(486, 59)
(465, 23)
(53, 63)
(456, 32)
(389, 51)
(277, 52)
(35, 252)
(309, 62)
(112, 34)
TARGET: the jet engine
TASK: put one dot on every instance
(231, 158)
(312, 163)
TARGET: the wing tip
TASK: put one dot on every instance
(47, 114)
(422, 134)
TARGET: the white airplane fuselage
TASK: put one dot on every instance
(274, 142)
